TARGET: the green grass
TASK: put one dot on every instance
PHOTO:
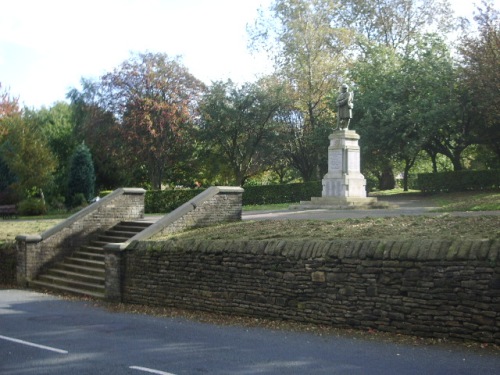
(267, 207)
(469, 201)
(397, 191)
(443, 226)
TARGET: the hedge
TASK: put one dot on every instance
(287, 193)
(459, 181)
(165, 201)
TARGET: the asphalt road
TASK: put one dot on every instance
(43, 334)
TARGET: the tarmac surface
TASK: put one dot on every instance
(398, 206)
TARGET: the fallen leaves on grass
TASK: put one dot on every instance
(443, 227)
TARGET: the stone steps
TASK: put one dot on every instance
(83, 272)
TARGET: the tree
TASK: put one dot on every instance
(154, 101)
(311, 55)
(27, 155)
(9, 106)
(100, 131)
(480, 77)
(147, 108)
(393, 23)
(81, 180)
(406, 104)
(56, 126)
(237, 126)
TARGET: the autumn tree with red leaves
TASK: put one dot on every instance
(9, 106)
(153, 100)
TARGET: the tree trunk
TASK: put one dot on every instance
(387, 180)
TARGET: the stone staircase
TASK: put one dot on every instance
(83, 271)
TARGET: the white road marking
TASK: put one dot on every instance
(60, 351)
(150, 370)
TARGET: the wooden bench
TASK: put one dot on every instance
(8, 211)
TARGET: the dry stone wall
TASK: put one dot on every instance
(427, 288)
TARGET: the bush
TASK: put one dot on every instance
(164, 201)
(103, 193)
(32, 207)
(78, 200)
(459, 181)
(287, 193)
(81, 176)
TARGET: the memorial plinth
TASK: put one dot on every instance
(343, 186)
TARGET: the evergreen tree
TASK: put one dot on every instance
(81, 181)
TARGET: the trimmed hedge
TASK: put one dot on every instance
(458, 181)
(287, 193)
(165, 201)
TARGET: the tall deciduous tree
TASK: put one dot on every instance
(100, 132)
(56, 126)
(480, 72)
(393, 23)
(27, 155)
(408, 103)
(237, 126)
(9, 106)
(152, 99)
(311, 54)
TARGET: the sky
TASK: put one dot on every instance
(47, 46)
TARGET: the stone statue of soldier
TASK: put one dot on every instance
(344, 105)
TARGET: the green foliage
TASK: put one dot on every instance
(7, 178)
(480, 73)
(56, 127)
(164, 201)
(148, 103)
(237, 127)
(288, 193)
(459, 181)
(81, 177)
(103, 193)
(26, 154)
(32, 207)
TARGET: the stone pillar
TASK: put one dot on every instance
(344, 178)
(113, 277)
(343, 186)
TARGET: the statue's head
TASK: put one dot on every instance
(344, 88)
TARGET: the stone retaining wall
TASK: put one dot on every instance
(427, 288)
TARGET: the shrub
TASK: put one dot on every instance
(164, 201)
(81, 176)
(286, 193)
(459, 181)
(32, 207)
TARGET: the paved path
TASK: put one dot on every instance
(410, 206)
